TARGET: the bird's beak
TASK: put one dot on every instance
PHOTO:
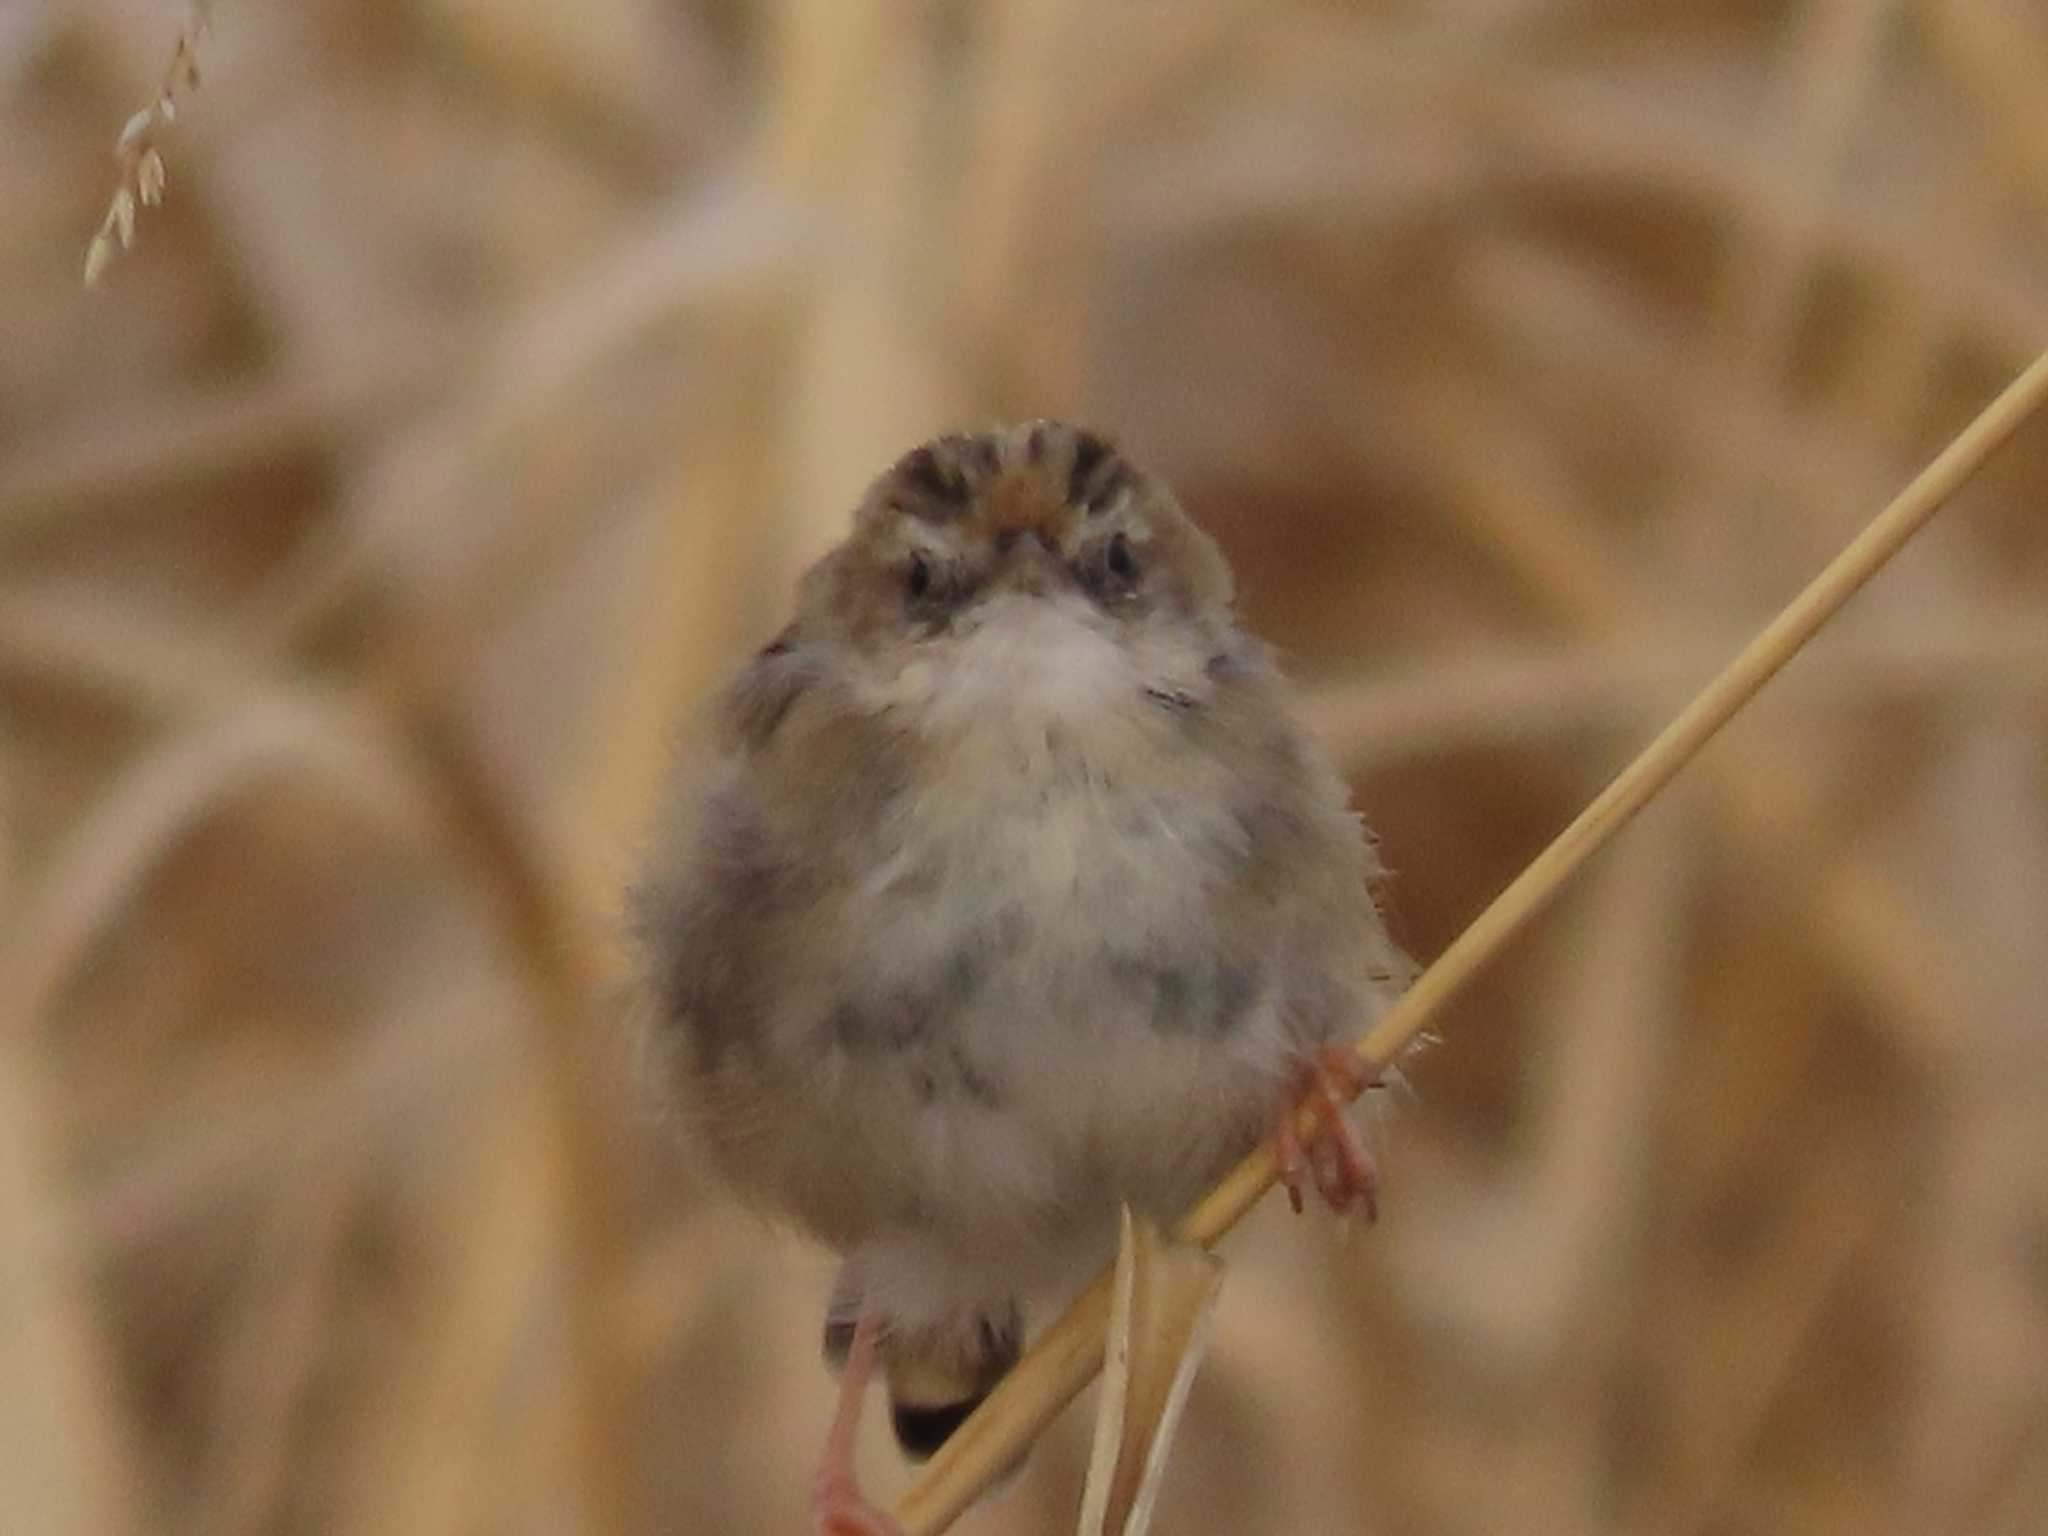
(1026, 521)
(1027, 566)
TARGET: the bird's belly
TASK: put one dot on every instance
(1040, 1019)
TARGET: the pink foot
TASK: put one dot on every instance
(1334, 1155)
(843, 1512)
(837, 1508)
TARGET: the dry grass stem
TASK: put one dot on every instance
(1162, 1295)
(137, 152)
(168, 796)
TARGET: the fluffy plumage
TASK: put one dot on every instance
(1010, 888)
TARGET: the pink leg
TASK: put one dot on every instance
(837, 1508)
(1335, 1156)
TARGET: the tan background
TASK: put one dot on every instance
(490, 371)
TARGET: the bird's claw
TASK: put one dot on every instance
(846, 1513)
(1334, 1156)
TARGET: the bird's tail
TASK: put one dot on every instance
(936, 1381)
(938, 1375)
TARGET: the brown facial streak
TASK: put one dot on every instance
(1089, 452)
(937, 491)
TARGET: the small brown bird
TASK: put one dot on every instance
(1010, 890)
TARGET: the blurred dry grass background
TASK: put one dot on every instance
(490, 371)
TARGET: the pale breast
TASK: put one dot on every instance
(1039, 994)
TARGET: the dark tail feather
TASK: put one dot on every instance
(935, 1379)
(921, 1430)
(934, 1384)
(841, 1313)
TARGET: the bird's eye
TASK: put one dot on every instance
(1123, 565)
(1108, 570)
(933, 587)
